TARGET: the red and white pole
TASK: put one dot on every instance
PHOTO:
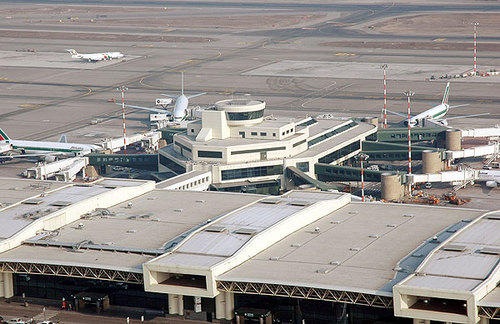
(475, 47)
(385, 99)
(122, 89)
(409, 94)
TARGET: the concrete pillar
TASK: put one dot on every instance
(220, 306)
(453, 140)
(173, 304)
(180, 307)
(421, 321)
(431, 162)
(484, 320)
(392, 189)
(7, 281)
(229, 307)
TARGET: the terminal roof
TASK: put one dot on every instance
(355, 248)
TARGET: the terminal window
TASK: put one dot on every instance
(210, 154)
(263, 134)
(252, 172)
(253, 133)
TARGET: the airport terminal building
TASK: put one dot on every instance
(305, 255)
(240, 146)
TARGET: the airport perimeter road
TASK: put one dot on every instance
(35, 311)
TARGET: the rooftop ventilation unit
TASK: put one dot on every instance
(490, 250)
(354, 212)
(493, 217)
(296, 245)
(201, 201)
(60, 203)
(179, 210)
(33, 202)
(246, 231)
(215, 228)
(335, 262)
(454, 247)
(271, 201)
(274, 258)
(373, 236)
(299, 203)
(408, 215)
(132, 231)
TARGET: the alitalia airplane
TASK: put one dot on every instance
(435, 114)
(95, 56)
(45, 150)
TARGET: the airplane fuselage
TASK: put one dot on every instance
(436, 112)
(181, 105)
(36, 147)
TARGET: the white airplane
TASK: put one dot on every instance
(490, 177)
(435, 114)
(95, 57)
(180, 111)
(47, 151)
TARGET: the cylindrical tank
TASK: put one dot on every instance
(392, 189)
(453, 140)
(431, 162)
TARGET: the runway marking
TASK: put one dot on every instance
(169, 30)
(438, 39)
(30, 105)
(344, 54)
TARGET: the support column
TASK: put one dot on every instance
(421, 321)
(173, 304)
(180, 303)
(484, 320)
(220, 308)
(229, 298)
(8, 285)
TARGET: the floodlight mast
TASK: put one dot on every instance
(384, 111)
(475, 47)
(409, 94)
(123, 89)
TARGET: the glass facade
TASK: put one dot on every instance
(252, 172)
(245, 116)
(308, 122)
(53, 287)
(172, 165)
(335, 155)
(303, 166)
(210, 154)
(280, 148)
(334, 132)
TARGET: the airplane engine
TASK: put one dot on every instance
(49, 158)
(491, 184)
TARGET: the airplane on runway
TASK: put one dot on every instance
(47, 151)
(95, 57)
(180, 111)
(435, 114)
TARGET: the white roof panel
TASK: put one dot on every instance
(444, 283)
(458, 264)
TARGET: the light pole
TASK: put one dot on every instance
(475, 47)
(123, 89)
(409, 94)
(384, 111)
(362, 157)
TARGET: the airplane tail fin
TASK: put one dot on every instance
(446, 94)
(63, 139)
(72, 51)
(3, 136)
(182, 83)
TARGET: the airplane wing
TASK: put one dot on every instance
(458, 106)
(398, 114)
(156, 110)
(466, 116)
(195, 95)
(170, 96)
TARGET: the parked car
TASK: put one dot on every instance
(45, 322)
